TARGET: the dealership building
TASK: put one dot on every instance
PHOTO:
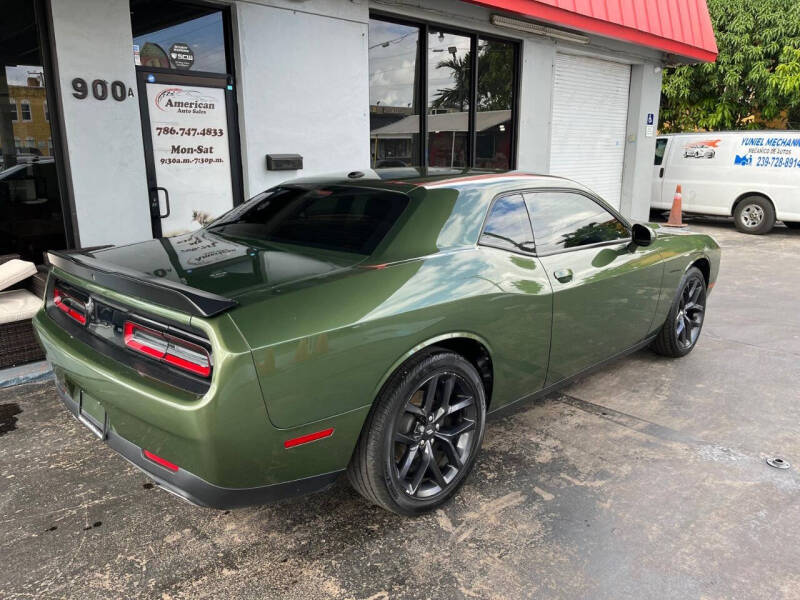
(123, 120)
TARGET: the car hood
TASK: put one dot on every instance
(225, 266)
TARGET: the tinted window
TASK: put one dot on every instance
(173, 35)
(564, 220)
(449, 92)
(335, 218)
(661, 146)
(394, 120)
(496, 67)
(508, 226)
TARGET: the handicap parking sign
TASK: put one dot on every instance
(650, 118)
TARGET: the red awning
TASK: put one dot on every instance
(680, 27)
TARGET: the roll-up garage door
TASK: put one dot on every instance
(590, 113)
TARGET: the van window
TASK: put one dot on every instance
(661, 146)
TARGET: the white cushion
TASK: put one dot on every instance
(18, 305)
(14, 271)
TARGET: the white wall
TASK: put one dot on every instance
(535, 106)
(104, 138)
(303, 87)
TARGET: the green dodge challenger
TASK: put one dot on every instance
(364, 323)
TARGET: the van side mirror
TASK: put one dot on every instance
(641, 235)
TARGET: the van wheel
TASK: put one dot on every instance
(792, 224)
(755, 215)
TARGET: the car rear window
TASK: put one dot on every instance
(340, 218)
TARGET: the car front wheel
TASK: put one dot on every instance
(681, 330)
(422, 435)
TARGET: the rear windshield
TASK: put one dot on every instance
(345, 219)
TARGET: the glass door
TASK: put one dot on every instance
(188, 113)
(31, 207)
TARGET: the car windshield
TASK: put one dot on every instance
(339, 218)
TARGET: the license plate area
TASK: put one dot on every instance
(92, 414)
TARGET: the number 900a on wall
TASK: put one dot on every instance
(101, 89)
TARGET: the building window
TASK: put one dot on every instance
(18, 145)
(46, 112)
(14, 113)
(495, 105)
(25, 106)
(466, 83)
(174, 35)
(394, 117)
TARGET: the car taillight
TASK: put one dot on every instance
(167, 348)
(71, 306)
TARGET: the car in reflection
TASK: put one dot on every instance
(363, 323)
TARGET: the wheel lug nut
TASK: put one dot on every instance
(430, 417)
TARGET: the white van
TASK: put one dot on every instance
(752, 175)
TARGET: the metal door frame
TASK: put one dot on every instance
(212, 80)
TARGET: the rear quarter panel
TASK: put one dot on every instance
(326, 349)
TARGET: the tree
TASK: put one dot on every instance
(755, 79)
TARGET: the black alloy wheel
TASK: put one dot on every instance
(681, 330)
(691, 310)
(422, 435)
(433, 436)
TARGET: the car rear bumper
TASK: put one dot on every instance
(189, 486)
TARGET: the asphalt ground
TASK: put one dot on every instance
(645, 480)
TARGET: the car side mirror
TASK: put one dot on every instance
(641, 235)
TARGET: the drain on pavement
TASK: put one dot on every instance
(778, 463)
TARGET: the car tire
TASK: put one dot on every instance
(754, 214)
(681, 330)
(657, 215)
(792, 224)
(415, 426)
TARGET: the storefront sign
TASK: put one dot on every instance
(189, 129)
(181, 56)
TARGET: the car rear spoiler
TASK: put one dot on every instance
(134, 283)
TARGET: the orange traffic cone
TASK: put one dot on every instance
(676, 210)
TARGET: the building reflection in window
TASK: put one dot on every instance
(494, 127)
(393, 94)
(449, 91)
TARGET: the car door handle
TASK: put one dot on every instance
(661, 172)
(563, 275)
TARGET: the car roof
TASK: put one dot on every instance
(405, 179)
